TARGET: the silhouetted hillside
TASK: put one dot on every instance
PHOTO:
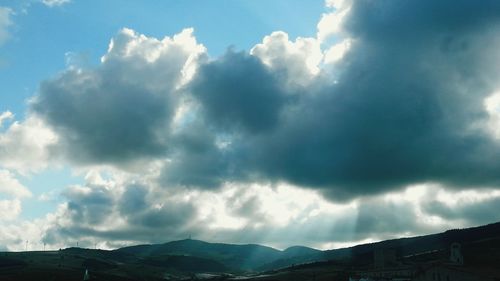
(181, 260)
(420, 244)
(296, 251)
(245, 257)
(363, 254)
(186, 264)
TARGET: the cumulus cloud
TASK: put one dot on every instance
(125, 210)
(9, 209)
(5, 116)
(396, 114)
(120, 209)
(5, 22)
(11, 186)
(201, 159)
(120, 111)
(13, 236)
(469, 207)
(337, 51)
(402, 108)
(297, 61)
(25, 146)
(237, 91)
(331, 23)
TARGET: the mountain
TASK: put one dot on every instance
(261, 258)
(363, 254)
(188, 259)
(419, 244)
(296, 251)
(236, 257)
(291, 256)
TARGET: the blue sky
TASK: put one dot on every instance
(320, 123)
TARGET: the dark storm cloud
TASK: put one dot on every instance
(197, 161)
(139, 215)
(103, 119)
(237, 90)
(407, 107)
(133, 200)
(475, 213)
(410, 92)
(169, 216)
(119, 111)
(385, 19)
(200, 160)
(91, 205)
(139, 210)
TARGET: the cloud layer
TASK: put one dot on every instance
(121, 211)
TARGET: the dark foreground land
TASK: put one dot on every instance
(466, 254)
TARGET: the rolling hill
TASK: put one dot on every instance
(236, 257)
(187, 259)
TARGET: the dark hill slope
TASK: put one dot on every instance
(419, 244)
(244, 257)
(363, 254)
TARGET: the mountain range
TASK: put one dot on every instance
(185, 258)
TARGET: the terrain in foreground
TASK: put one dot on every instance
(413, 258)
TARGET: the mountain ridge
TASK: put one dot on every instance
(255, 257)
(238, 256)
(183, 259)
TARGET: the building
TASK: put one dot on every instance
(448, 272)
(456, 256)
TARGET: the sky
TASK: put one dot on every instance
(324, 124)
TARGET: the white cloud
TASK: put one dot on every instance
(9, 209)
(167, 61)
(128, 209)
(331, 23)
(5, 116)
(11, 186)
(49, 196)
(5, 22)
(24, 146)
(492, 107)
(337, 51)
(124, 209)
(15, 235)
(299, 59)
(53, 3)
